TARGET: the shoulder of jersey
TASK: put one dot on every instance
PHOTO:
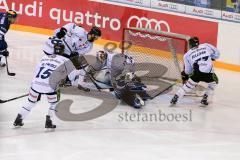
(63, 58)
(79, 30)
(187, 53)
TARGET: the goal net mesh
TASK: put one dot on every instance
(157, 55)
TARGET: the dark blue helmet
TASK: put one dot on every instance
(96, 31)
(193, 42)
(59, 48)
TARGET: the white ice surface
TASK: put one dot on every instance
(213, 133)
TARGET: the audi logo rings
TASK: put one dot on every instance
(144, 22)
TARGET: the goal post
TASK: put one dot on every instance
(157, 54)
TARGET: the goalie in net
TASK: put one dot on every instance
(116, 70)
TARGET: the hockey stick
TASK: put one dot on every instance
(9, 73)
(164, 90)
(8, 100)
(92, 79)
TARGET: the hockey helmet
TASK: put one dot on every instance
(12, 14)
(193, 42)
(95, 31)
(59, 48)
(129, 76)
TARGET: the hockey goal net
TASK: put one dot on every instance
(157, 54)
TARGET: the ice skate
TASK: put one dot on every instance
(49, 124)
(174, 99)
(204, 100)
(18, 121)
(2, 65)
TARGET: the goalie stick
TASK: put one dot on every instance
(9, 73)
(8, 100)
(93, 80)
(164, 90)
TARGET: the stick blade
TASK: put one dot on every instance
(2, 101)
(11, 74)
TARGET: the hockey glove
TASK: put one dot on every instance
(4, 53)
(73, 54)
(61, 33)
(58, 95)
(184, 76)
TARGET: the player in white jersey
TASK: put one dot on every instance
(51, 70)
(198, 66)
(76, 39)
(77, 42)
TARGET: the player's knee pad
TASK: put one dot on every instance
(212, 85)
(189, 85)
(34, 96)
(53, 97)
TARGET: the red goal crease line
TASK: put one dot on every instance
(164, 54)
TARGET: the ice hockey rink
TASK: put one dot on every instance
(210, 133)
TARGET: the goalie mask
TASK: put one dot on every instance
(102, 56)
(129, 76)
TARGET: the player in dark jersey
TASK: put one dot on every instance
(6, 19)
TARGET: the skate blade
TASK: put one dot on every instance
(203, 105)
(173, 105)
(50, 130)
(16, 127)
